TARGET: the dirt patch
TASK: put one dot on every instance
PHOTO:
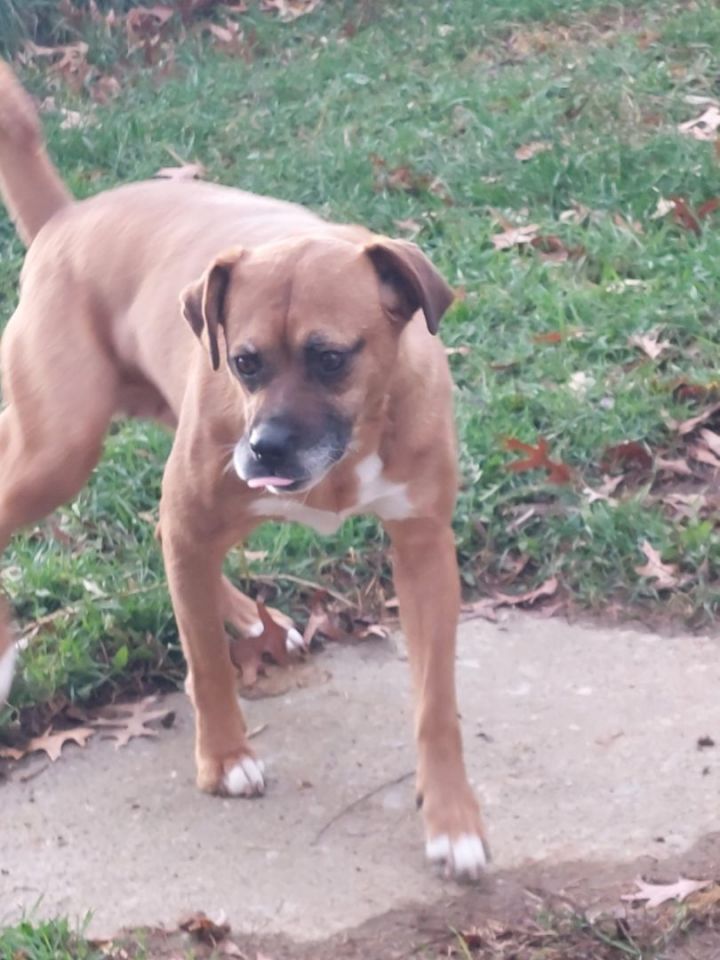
(560, 912)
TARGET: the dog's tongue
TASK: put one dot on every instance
(256, 482)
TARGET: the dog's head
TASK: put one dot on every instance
(311, 329)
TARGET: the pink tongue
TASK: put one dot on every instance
(255, 482)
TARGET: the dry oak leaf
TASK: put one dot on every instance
(515, 237)
(202, 928)
(649, 343)
(704, 127)
(546, 589)
(537, 459)
(666, 574)
(188, 171)
(247, 653)
(529, 150)
(289, 10)
(655, 894)
(687, 426)
(126, 721)
(50, 743)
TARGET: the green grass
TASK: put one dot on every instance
(450, 89)
(49, 940)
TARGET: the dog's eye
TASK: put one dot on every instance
(331, 361)
(248, 364)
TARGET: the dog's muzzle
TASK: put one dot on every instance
(280, 455)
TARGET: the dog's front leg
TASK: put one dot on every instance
(428, 589)
(193, 563)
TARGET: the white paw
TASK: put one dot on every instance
(7, 669)
(294, 641)
(463, 857)
(246, 778)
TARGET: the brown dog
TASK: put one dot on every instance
(323, 396)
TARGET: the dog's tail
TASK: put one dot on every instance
(29, 183)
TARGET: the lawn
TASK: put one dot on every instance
(414, 119)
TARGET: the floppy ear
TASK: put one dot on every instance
(409, 282)
(203, 301)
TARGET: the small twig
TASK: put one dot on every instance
(256, 731)
(268, 578)
(356, 803)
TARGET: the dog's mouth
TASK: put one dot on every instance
(278, 484)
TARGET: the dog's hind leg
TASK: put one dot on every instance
(60, 398)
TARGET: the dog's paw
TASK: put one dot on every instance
(463, 857)
(244, 778)
(294, 641)
(7, 670)
(454, 833)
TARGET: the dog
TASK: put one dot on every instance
(294, 360)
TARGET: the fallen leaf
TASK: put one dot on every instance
(687, 426)
(665, 574)
(124, 722)
(537, 459)
(546, 589)
(529, 150)
(289, 10)
(515, 237)
(704, 127)
(203, 929)
(604, 491)
(484, 608)
(649, 343)
(655, 894)
(580, 382)
(411, 228)
(324, 619)
(679, 467)
(50, 743)
(710, 206)
(552, 249)
(188, 171)
(457, 351)
(684, 216)
(703, 454)
(554, 336)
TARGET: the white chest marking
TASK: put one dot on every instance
(387, 500)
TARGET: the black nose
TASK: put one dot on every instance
(272, 442)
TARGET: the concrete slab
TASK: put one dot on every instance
(583, 744)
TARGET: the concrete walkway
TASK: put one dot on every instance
(583, 744)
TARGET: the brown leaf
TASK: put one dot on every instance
(552, 249)
(529, 150)
(666, 574)
(289, 10)
(655, 894)
(323, 619)
(554, 336)
(649, 343)
(546, 589)
(203, 929)
(188, 171)
(515, 237)
(710, 206)
(684, 216)
(624, 456)
(127, 721)
(687, 426)
(605, 490)
(704, 127)
(703, 454)
(50, 743)
(537, 459)
(484, 608)
(679, 467)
